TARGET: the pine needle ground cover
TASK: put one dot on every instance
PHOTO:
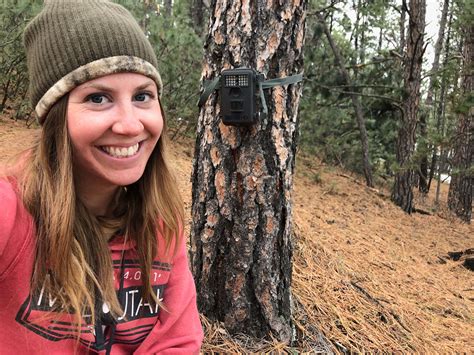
(370, 277)
(366, 276)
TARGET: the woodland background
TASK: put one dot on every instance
(366, 275)
(370, 37)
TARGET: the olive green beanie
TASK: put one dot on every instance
(73, 41)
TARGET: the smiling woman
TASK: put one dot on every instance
(92, 254)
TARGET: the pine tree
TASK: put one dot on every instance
(242, 176)
(462, 180)
(402, 193)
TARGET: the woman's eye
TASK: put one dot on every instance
(143, 96)
(97, 98)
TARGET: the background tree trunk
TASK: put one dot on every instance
(439, 110)
(461, 187)
(242, 176)
(403, 18)
(423, 185)
(149, 9)
(402, 193)
(198, 11)
(168, 7)
(355, 103)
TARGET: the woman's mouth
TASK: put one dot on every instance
(121, 152)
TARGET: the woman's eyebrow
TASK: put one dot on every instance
(145, 85)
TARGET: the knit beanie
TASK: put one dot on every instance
(73, 41)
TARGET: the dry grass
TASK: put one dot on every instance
(366, 276)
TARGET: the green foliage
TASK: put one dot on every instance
(463, 103)
(368, 36)
(13, 73)
(328, 124)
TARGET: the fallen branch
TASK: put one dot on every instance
(457, 255)
(466, 256)
(376, 301)
(420, 211)
(366, 294)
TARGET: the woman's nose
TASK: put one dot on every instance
(128, 120)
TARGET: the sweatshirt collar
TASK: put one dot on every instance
(118, 243)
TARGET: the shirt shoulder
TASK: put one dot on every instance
(15, 226)
(9, 202)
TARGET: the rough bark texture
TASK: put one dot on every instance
(402, 193)
(423, 183)
(462, 179)
(364, 140)
(242, 177)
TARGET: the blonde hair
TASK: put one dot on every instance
(71, 245)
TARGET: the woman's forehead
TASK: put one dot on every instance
(119, 80)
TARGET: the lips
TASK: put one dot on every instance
(121, 152)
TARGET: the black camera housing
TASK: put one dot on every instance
(238, 96)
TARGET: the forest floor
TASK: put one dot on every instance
(367, 277)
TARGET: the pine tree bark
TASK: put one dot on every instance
(423, 181)
(402, 193)
(462, 179)
(355, 103)
(242, 176)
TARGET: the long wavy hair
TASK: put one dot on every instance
(71, 244)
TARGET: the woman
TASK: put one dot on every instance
(92, 257)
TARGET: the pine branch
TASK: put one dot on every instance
(396, 102)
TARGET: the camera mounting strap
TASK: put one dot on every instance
(211, 85)
(293, 79)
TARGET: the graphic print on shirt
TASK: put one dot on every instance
(133, 326)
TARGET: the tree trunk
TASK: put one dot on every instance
(403, 15)
(437, 53)
(198, 9)
(242, 176)
(355, 103)
(462, 177)
(168, 6)
(402, 193)
(442, 152)
(355, 33)
(423, 185)
(149, 9)
(439, 112)
(362, 28)
(381, 32)
(5, 90)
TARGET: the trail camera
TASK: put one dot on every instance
(239, 94)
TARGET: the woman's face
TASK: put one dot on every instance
(114, 123)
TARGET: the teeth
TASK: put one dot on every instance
(121, 152)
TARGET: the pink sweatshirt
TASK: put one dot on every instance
(142, 329)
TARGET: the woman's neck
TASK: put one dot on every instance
(99, 202)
